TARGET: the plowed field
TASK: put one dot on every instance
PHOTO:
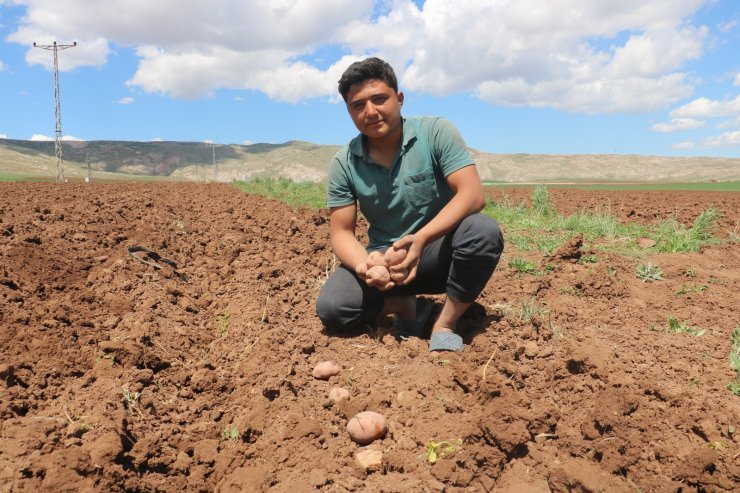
(119, 376)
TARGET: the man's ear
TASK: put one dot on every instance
(400, 98)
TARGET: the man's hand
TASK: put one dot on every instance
(414, 245)
(362, 271)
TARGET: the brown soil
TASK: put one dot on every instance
(116, 376)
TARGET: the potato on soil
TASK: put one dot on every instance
(394, 256)
(376, 258)
(337, 394)
(367, 427)
(379, 274)
(325, 370)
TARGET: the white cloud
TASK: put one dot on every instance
(575, 55)
(2, 66)
(46, 138)
(247, 142)
(727, 139)
(684, 145)
(126, 100)
(737, 79)
(677, 124)
(156, 139)
(3, 136)
(732, 123)
(708, 108)
(726, 27)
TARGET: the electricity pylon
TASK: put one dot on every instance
(57, 107)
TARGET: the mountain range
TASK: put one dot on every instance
(304, 161)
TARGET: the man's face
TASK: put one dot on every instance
(375, 108)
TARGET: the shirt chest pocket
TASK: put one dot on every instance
(421, 188)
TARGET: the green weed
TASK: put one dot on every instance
(671, 236)
(649, 272)
(532, 309)
(677, 327)
(691, 288)
(541, 201)
(522, 266)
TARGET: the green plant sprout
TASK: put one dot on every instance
(691, 288)
(132, 400)
(229, 433)
(677, 327)
(223, 323)
(734, 386)
(531, 309)
(437, 450)
(649, 272)
(717, 445)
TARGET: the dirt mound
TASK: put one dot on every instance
(116, 375)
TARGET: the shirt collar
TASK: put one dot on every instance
(409, 136)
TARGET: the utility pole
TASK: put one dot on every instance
(89, 170)
(215, 165)
(57, 107)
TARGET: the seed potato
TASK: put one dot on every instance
(379, 274)
(366, 427)
(394, 256)
(325, 370)
(337, 394)
(376, 258)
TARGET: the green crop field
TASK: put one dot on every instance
(724, 186)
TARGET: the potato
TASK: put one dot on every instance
(337, 394)
(379, 274)
(325, 370)
(394, 256)
(367, 427)
(400, 275)
(376, 258)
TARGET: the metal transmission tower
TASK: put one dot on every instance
(215, 164)
(57, 108)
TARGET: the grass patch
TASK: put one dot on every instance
(724, 186)
(534, 228)
(303, 194)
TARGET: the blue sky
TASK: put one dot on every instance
(565, 76)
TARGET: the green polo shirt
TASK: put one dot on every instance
(399, 201)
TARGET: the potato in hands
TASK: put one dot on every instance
(379, 275)
(394, 256)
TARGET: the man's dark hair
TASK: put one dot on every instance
(368, 69)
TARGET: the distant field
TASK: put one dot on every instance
(725, 186)
(23, 177)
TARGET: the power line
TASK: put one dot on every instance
(57, 107)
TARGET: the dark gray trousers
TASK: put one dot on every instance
(459, 264)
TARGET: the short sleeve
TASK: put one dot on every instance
(449, 147)
(339, 189)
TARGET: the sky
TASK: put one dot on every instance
(658, 77)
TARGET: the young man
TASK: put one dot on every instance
(417, 186)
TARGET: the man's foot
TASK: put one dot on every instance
(445, 341)
(406, 329)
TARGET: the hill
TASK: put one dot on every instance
(303, 161)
